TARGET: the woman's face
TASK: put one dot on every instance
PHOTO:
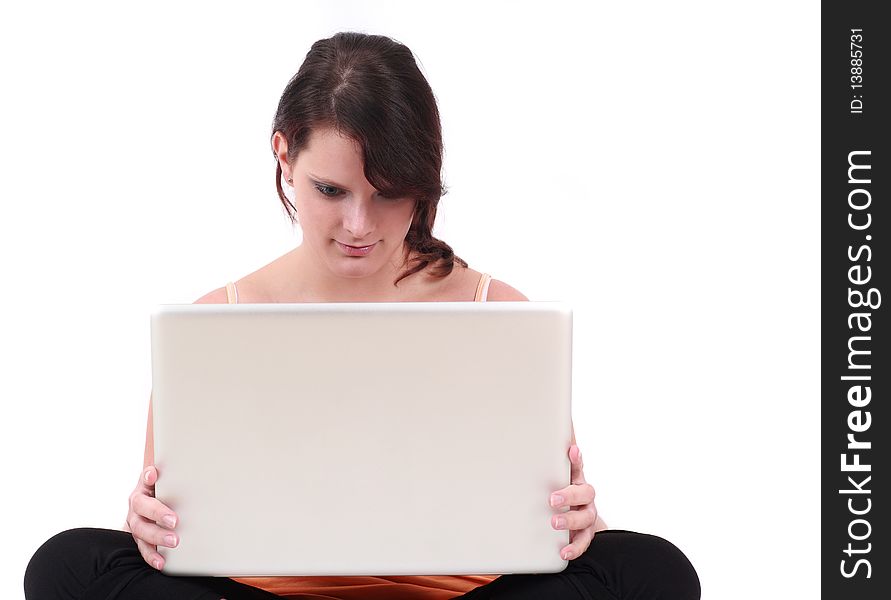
(347, 224)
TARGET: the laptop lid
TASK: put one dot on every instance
(362, 438)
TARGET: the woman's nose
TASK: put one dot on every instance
(358, 219)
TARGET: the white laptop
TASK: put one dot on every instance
(362, 438)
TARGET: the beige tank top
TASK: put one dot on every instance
(482, 290)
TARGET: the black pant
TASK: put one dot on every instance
(102, 564)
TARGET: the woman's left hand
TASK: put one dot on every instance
(581, 518)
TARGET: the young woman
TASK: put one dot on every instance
(357, 139)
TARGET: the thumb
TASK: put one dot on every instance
(149, 477)
(577, 467)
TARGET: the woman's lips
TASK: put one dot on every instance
(355, 250)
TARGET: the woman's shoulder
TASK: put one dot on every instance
(217, 296)
(255, 288)
(246, 290)
(462, 283)
(502, 292)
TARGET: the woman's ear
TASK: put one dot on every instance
(280, 148)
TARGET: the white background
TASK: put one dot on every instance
(655, 164)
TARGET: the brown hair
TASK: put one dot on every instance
(369, 88)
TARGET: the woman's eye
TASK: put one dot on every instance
(327, 190)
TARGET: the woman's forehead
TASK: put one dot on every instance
(332, 149)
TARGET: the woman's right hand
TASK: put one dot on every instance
(149, 521)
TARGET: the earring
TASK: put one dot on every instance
(291, 181)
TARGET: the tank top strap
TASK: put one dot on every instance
(482, 288)
(232, 293)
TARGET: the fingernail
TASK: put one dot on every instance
(146, 476)
(561, 523)
(170, 540)
(557, 500)
(567, 555)
(169, 521)
(157, 564)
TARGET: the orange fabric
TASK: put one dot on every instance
(406, 587)
(403, 587)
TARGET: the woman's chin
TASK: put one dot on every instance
(355, 268)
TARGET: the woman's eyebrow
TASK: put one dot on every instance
(326, 181)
